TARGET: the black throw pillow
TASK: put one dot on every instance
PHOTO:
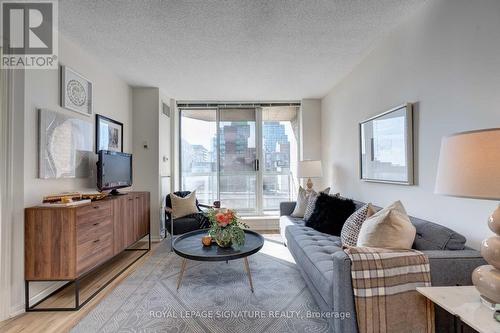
(330, 214)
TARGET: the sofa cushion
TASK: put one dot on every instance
(312, 251)
(431, 236)
(286, 221)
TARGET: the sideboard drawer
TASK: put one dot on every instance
(92, 230)
(93, 252)
(94, 211)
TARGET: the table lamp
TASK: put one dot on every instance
(309, 169)
(469, 167)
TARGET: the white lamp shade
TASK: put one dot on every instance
(469, 165)
(309, 169)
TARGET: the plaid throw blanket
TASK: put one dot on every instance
(384, 283)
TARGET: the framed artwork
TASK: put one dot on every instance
(108, 134)
(65, 146)
(76, 91)
(386, 147)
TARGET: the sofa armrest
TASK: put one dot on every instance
(451, 268)
(287, 207)
(343, 295)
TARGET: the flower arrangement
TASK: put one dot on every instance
(226, 228)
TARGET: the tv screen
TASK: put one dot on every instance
(114, 170)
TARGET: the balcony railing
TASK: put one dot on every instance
(238, 188)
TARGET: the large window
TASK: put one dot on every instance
(245, 157)
(199, 153)
(279, 155)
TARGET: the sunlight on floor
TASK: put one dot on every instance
(273, 246)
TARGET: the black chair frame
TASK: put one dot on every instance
(169, 217)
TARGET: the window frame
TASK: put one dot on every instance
(259, 124)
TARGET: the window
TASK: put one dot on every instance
(243, 156)
(199, 153)
(280, 156)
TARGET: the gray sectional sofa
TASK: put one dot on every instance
(327, 269)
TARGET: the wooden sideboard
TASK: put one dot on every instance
(66, 243)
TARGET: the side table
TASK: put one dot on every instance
(464, 303)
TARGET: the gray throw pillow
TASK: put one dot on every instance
(312, 203)
(301, 203)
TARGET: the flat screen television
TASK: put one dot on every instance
(114, 171)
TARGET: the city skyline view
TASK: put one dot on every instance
(237, 155)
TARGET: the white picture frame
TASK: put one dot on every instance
(386, 147)
(76, 91)
(65, 145)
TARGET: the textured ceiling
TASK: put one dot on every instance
(232, 50)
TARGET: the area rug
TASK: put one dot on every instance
(214, 297)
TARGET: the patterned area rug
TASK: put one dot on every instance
(214, 297)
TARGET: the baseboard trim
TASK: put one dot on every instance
(20, 308)
(16, 311)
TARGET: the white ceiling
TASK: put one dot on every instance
(232, 50)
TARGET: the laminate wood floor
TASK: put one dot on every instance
(57, 322)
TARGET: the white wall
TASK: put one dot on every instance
(112, 98)
(148, 123)
(446, 59)
(310, 129)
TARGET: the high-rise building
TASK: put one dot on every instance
(200, 153)
(276, 146)
(236, 156)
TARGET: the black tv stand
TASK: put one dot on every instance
(115, 192)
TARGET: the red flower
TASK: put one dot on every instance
(222, 219)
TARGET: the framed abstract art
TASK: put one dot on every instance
(65, 145)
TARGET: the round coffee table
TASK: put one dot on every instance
(189, 246)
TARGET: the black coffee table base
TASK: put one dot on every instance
(189, 246)
(245, 264)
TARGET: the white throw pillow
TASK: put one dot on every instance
(301, 203)
(389, 228)
(352, 226)
(183, 206)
